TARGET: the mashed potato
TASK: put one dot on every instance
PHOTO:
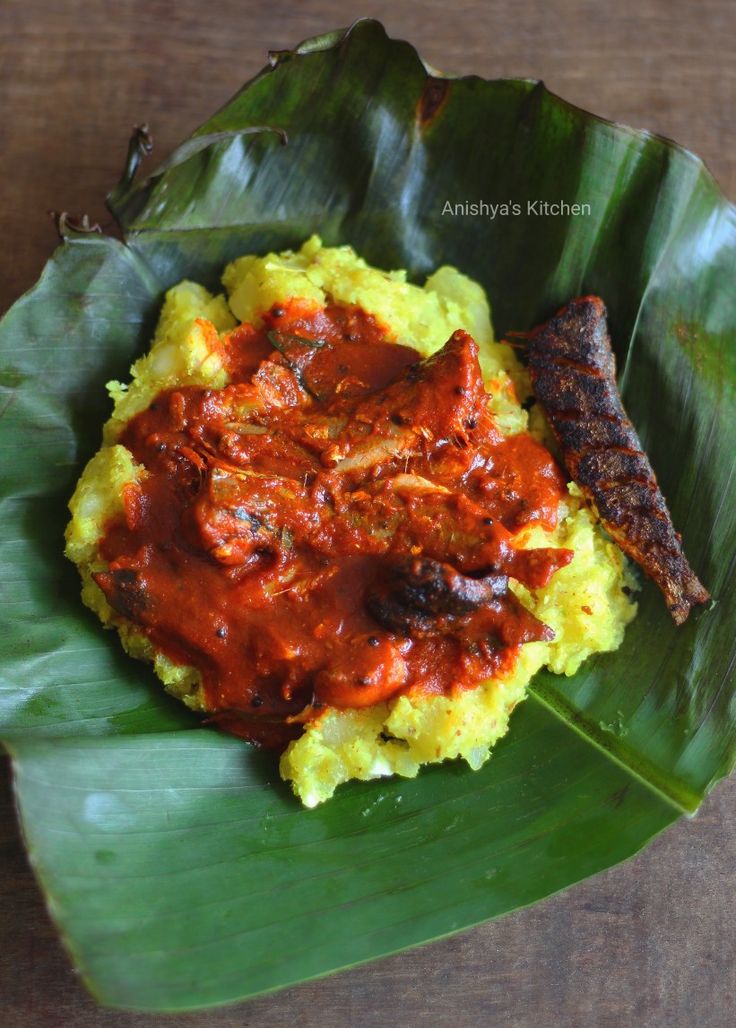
(585, 602)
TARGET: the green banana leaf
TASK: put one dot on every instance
(178, 867)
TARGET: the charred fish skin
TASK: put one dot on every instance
(573, 374)
(420, 590)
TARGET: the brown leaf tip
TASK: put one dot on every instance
(66, 223)
(433, 98)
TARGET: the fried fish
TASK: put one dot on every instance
(573, 374)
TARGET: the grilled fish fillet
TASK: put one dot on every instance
(573, 374)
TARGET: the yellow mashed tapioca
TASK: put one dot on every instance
(586, 603)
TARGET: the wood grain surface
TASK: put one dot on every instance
(649, 943)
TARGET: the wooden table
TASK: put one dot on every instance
(648, 943)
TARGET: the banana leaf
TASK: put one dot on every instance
(179, 869)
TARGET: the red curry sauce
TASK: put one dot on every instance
(332, 528)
